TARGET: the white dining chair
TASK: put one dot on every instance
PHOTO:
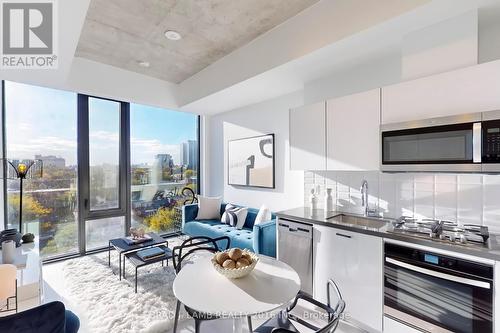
(8, 287)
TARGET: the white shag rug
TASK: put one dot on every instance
(111, 305)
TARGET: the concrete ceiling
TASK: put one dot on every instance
(123, 32)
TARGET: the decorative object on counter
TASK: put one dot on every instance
(137, 236)
(328, 200)
(234, 263)
(22, 169)
(10, 234)
(313, 200)
(28, 238)
(8, 251)
(136, 233)
(251, 162)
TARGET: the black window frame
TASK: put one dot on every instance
(83, 175)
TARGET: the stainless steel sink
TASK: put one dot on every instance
(363, 222)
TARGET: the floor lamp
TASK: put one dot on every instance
(23, 169)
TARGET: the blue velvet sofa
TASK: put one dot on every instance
(46, 318)
(260, 239)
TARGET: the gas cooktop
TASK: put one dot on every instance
(445, 231)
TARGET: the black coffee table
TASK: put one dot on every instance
(138, 262)
(123, 248)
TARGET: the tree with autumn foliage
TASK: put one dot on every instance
(162, 220)
(32, 209)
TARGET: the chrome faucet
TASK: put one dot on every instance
(364, 196)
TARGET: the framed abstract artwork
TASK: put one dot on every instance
(251, 161)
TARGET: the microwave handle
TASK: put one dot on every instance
(477, 134)
(458, 279)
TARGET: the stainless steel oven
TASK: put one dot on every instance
(432, 292)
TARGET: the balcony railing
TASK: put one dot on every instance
(52, 214)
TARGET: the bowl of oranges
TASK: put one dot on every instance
(234, 263)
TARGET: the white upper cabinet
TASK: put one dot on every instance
(353, 132)
(308, 137)
(467, 90)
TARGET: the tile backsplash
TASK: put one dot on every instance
(462, 198)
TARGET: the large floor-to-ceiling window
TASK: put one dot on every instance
(41, 123)
(107, 165)
(164, 160)
(103, 142)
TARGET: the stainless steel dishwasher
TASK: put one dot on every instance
(295, 247)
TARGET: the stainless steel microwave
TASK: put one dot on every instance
(464, 143)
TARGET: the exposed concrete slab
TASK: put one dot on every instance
(123, 32)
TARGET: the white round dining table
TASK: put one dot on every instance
(271, 285)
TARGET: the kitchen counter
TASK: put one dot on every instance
(382, 227)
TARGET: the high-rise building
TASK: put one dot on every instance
(52, 161)
(189, 154)
(165, 160)
(192, 154)
(164, 164)
(183, 154)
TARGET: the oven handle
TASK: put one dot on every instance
(470, 282)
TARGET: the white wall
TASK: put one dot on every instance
(454, 44)
(264, 118)
(442, 47)
(363, 77)
(489, 30)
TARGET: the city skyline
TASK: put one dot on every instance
(46, 123)
(188, 160)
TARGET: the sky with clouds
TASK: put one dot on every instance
(43, 121)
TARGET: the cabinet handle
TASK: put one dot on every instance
(342, 235)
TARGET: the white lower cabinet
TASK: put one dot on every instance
(355, 262)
